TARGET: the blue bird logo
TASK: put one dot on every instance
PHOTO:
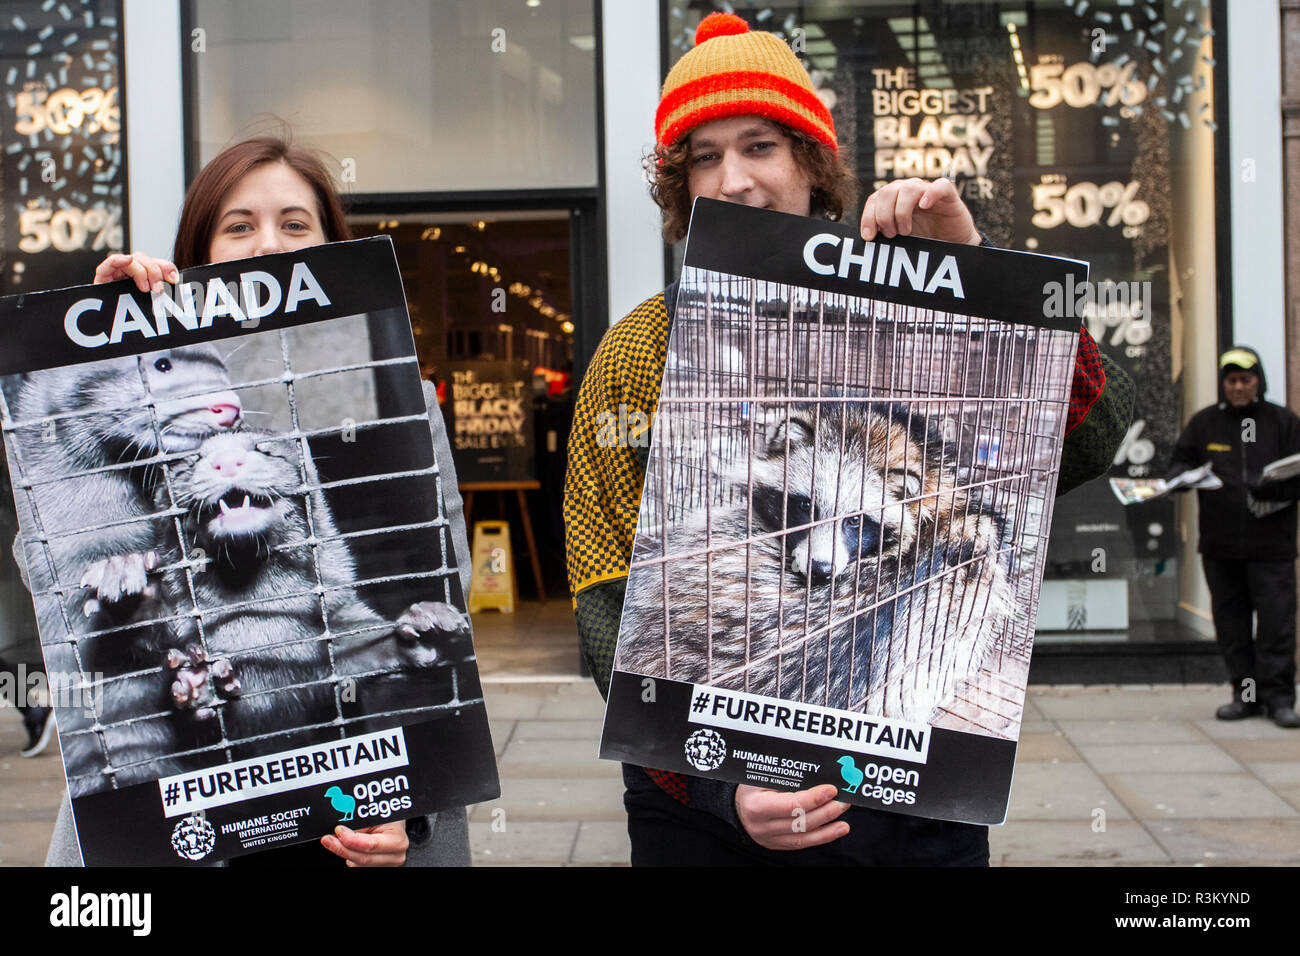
(851, 774)
(345, 804)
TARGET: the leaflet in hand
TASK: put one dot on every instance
(1282, 469)
(1133, 490)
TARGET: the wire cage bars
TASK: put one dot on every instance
(846, 503)
(129, 729)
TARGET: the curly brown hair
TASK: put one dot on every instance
(834, 185)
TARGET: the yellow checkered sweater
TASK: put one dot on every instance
(602, 492)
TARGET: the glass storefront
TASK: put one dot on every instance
(1083, 130)
(428, 108)
(410, 96)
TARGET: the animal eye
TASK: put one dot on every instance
(853, 520)
(163, 365)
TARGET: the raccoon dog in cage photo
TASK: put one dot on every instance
(845, 566)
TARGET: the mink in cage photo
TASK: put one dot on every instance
(846, 503)
(210, 537)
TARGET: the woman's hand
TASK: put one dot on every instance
(382, 845)
(916, 207)
(791, 821)
(149, 273)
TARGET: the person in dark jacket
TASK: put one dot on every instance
(1248, 551)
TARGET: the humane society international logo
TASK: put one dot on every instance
(193, 838)
(705, 750)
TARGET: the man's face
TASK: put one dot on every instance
(1241, 388)
(747, 159)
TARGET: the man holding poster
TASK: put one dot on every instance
(739, 122)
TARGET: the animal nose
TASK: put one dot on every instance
(225, 414)
(819, 572)
(228, 461)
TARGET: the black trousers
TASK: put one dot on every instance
(1266, 656)
(666, 833)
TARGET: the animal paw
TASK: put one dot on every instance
(431, 616)
(121, 576)
(423, 620)
(196, 681)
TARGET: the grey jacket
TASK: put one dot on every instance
(448, 843)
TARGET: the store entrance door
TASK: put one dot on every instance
(492, 303)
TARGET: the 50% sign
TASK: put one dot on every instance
(1082, 84)
(1085, 204)
(65, 110)
(70, 230)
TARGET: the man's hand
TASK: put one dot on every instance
(915, 207)
(382, 845)
(791, 821)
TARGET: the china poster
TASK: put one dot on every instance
(845, 516)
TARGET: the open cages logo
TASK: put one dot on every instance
(193, 837)
(705, 750)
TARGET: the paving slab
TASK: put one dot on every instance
(538, 842)
(1044, 747)
(501, 731)
(1152, 730)
(560, 759)
(538, 798)
(1216, 842)
(31, 799)
(504, 702)
(1284, 774)
(558, 730)
(25, 843)
(1061, 791)
(1158, 758)
(1252, 728)
(573, 707)
(1110, 702)
(1160, 796)
(604, 842)
(1254, 750)
(1038, 727)
(1122, 843)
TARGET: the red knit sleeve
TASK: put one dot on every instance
(673, 784)
(1089, 380)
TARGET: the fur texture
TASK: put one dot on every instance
(847, 568)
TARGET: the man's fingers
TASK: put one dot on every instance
(909, 194)
(823, 815)
(869, 218)
(812, 837)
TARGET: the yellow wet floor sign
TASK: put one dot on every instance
(493, 584)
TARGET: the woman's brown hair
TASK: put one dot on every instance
(834, 186)
(216, 179)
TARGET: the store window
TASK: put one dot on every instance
(410, 96)
(1085, 130)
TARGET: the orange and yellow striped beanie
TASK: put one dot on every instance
(733, 71)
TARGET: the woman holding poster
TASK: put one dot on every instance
(739, 121)
(258, 197)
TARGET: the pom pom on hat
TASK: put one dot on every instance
(735, 71)
(719, 25)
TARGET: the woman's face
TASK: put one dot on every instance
(272, 209)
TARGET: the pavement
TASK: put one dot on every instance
(1107, 775)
